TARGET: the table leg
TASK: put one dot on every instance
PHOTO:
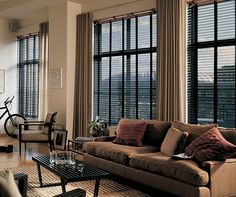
(97, 183)
(63, 185)
(40, 175)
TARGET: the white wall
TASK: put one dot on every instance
(8, 62)
(58, 57)
(104, 8)
(62, 40)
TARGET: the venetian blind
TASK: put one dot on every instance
(211, 63)
(125, 68)
(28, 73)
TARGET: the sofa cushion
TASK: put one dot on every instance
(184, 170)
(155, 132)
(174, 142)
(115, 152)
(130, 132)
(228, 134)
(34, 135)
(211, 145)
(193, 129)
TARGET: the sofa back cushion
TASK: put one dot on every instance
(194, 130)
(174, 142)
(155, 132)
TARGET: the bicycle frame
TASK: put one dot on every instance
(7, 112)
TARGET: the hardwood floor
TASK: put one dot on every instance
(10, 160)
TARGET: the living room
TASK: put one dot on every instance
(161, 72)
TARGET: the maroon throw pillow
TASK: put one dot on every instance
(211, 145)
(130, 132)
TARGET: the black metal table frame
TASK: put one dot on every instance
(64, 180)
(75, 146)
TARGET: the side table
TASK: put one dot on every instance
(77, 144)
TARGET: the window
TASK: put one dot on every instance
(211, 63)
(125, 68)
(28, 73)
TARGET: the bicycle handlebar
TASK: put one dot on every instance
(8, 101)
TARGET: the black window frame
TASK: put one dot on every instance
(28, 75)
(193, 46)
(128, 52)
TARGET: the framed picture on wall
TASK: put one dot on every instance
(2, 81)
(60, 137)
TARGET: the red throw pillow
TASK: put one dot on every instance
(130, 132)
(211, 145)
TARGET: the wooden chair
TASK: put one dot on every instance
(43, 135)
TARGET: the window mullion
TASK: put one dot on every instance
(99, 66)
(128, 70)
(110, 48)
(123, 67)
(136, 67)
(215, 62)
(151, 66)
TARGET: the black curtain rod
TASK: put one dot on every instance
(125, 16)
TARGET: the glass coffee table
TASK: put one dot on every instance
(69, 173)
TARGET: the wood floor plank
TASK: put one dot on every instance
(11, 160)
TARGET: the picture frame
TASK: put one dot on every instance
(2, 81)
(60, 138)
(55, 78)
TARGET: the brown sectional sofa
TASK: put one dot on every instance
(151, 167)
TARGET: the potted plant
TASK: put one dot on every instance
(96, 127)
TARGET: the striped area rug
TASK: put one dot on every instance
(107, 187)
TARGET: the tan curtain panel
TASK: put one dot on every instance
(43, 70)
(171, 63)
(83, 76)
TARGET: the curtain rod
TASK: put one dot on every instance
(125, 16)
(202, 2)
(27, 35)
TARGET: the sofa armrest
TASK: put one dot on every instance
(104, 138)
(22, 183)
(222, 175)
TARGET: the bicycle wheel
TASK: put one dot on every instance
(12, 128)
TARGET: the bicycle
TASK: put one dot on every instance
(11, 124)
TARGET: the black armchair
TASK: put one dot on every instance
(8, 186)
(43, 135)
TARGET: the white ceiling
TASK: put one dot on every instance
(21, 9)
